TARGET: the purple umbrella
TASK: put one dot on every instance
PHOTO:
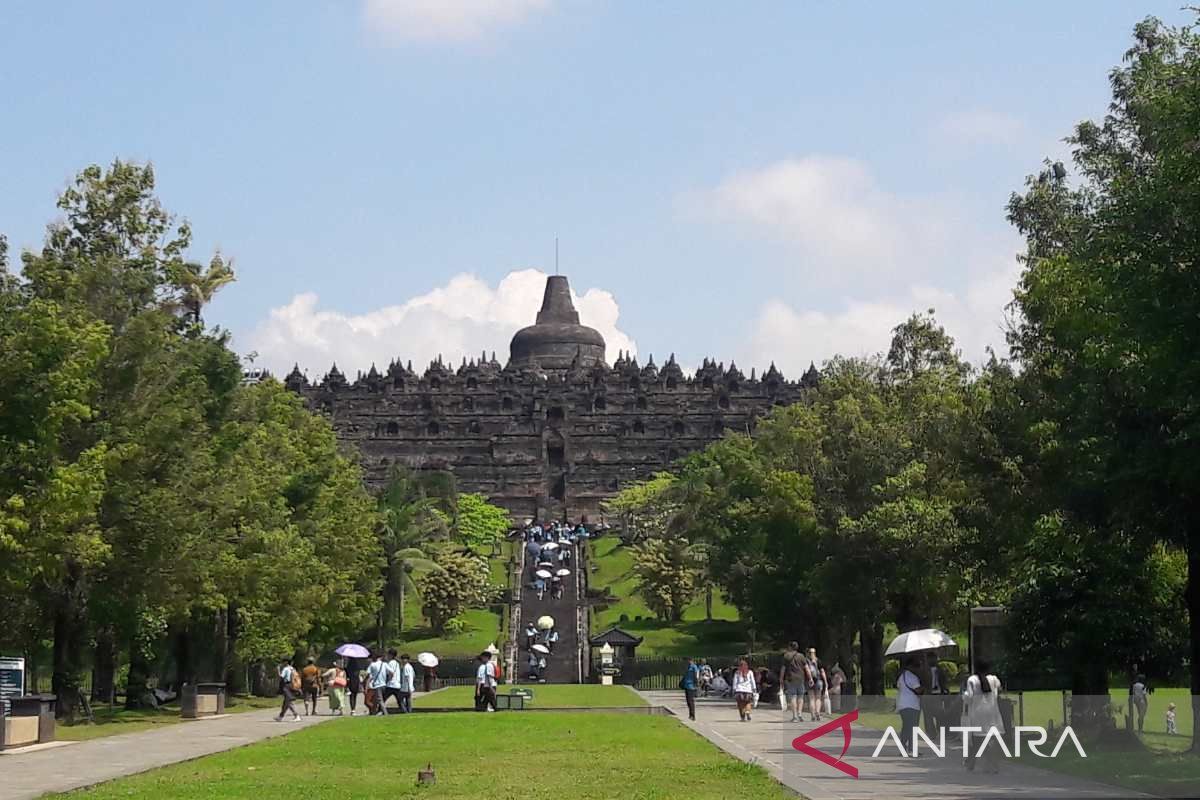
(351, 650)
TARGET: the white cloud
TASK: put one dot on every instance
(980, 126)
(446, 20)
(834, 211)
(886, 254)
(461, 318)
(975, 317)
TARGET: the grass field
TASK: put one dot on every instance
(694, 636)
(547, 696)
(530, 756)
(118, 720)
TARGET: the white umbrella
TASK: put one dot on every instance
(543, 574)
(491, 648)
(546, 622)
(916, 641)
(562, 573)
(427, 659)
(550, 546)
(541, 648)
(545, 564)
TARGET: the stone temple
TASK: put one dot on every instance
(556, 430)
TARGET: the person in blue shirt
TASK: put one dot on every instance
(689, 684)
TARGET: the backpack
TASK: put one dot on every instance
(295, 680)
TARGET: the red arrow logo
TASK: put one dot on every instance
(801, 743)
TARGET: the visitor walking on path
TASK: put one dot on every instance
(408, 681)
(353, 683)
(335, 686)
(310, 686)
(485, 683)
(744, 689)
(981, 709)
(392, 689)
(377, 678)
(837, 677)
(289, 682)
(908, 702)
(689, 684)
(817, 683)
(793, 679)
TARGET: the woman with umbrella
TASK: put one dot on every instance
(352, 652)
(911, 647)
(429, 663)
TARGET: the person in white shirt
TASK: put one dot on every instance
(287, 675)
(908, 702)
(392, 689)
(408, 680)
(981, 709)
(1140, 698)
(744, 689)
(485, 683)
(377, 678)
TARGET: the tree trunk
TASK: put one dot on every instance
(185, 669)
(1193, 604)
(68, 643)
(871, 658)
(400, 608)
(708, 601)
(104, 668)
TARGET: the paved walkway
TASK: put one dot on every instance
(58, 769)
(766, 740)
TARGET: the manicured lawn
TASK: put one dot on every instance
(547, 696)
(118, 720)
(694, 636)
(528, 756)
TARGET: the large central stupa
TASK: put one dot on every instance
(557, 340)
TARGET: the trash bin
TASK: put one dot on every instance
(198, 700)
(30, 720)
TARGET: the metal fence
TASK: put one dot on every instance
(652, 673)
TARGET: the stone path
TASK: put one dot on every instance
(563, 665)
(28, 775)
(766, 740)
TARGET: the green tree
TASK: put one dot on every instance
(478, 523)
(1109, 301)
(410, 520)
(460, 584)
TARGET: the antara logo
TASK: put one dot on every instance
(1032, 736)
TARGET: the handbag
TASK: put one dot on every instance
(683, 684)
(754, 702)
(782, 701)
(826, 706)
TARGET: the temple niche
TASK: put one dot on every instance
(554, 431)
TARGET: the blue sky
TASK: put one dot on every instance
(754, 181)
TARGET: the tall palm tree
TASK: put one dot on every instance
(410, 522)
(199, 285)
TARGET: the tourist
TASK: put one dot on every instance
(335, 687)
(817, 681)
(556, 590)
(392, 687)
(533, 665)
(1140, 700)
(408, 684)
(288, 680)
(310, 686)
(768, 687)
(539, 586)
(689, 684)
(837, 677)
(794, 679)
(353, 683)
(938, 684)
(1171, 729)
(429, 678)
(377, 679)
(981, 709)
(530, 635)
(485, 683)
(908, 702)
(744, 689)
(552, 639)
(541, 667)
(706, 678)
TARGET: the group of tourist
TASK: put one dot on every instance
(920, 677)
(385, 677)
(549, 551)
(800, 681)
